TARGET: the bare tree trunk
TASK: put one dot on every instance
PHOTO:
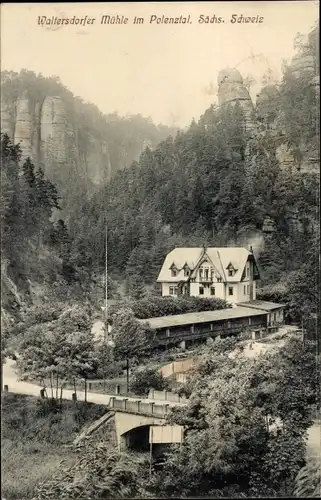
(61, 389)
(75, 387)
(57, 386)
(127, 375)
(51, 386)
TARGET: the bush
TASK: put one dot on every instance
(45, 420)
(147, 379)
(154, 306)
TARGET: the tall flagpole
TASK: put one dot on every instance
(106, 290)
(106, 280)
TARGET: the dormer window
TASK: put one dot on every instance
(174, 270)
(187, 271)
(231, 270)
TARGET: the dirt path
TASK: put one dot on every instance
(10, 379)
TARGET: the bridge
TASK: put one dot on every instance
(130, 413)
(133, 420)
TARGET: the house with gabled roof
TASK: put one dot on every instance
(228, 273)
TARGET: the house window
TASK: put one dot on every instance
(219, 279)
(175, 290)
(201, 290)
(244, 290)
(206, 274)
(171, 290)
(247, 270)
(230, 290)
(186, 271)
(174, 272)
(201, 273)
(212, 290)
(230, 272)
(248, 289)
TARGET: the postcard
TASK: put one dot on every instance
(160, 242)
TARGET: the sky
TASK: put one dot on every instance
(165, 71)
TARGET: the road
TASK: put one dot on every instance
(314, 442)
(16, 386)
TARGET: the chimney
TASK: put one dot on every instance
(251, 249)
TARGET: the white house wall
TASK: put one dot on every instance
(245, 297)
(165, 288)
(219, 290)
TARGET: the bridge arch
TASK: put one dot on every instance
(127, 422)
(136, 438)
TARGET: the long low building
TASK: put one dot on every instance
(275, 312)
(182, 328)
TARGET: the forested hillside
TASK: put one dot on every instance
(233, 177)
(35, 251)
(77, 146)
(221, 183)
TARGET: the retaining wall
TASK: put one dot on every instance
(177, 367)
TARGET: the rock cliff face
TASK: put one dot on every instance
(264, 117)
(270, 137)
(78, 147)
(231, 90)
(45, 135)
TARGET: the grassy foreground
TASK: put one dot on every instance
(36, 435)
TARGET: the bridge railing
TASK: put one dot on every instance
(139, 407)
(166, 396)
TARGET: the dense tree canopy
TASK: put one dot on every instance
(245, 424)
(218, 184)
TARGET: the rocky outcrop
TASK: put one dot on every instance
(24, 127)
(231, 90)
(98, 158)
(45, 133)
(77, 146)
(302, 63)
(265, 117)
(7, 118)
(53, 129)
(285, 156)
(265, 107)
(11, 298)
